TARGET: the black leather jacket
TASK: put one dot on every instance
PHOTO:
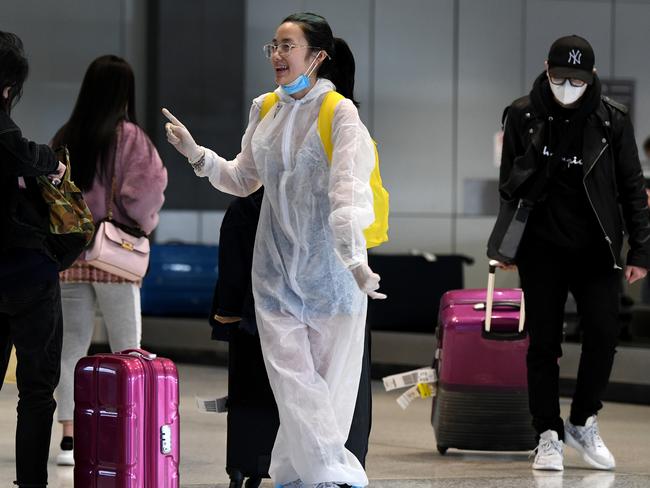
(23, 215)
(613, 178)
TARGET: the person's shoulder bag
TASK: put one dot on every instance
(508, 230)
(118, 248)
(71, 226)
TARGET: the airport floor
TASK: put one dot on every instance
(402, 450)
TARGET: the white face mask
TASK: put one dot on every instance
(567, 94)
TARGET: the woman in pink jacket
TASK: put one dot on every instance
(105, 141)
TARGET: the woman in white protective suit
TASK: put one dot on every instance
(310, 273)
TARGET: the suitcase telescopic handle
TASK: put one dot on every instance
(489, 302)
(140, 353)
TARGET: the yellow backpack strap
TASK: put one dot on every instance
(270, 99)
(325, 118)
(377, 233)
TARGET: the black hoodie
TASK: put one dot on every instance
(564, 217)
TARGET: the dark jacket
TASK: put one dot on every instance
(613, 178)
(233, 294)
(23, 214)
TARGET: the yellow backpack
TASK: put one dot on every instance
(377, 233)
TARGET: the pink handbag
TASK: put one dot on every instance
(118, 249)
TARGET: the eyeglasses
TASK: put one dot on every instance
(573, 81)
(283, 48)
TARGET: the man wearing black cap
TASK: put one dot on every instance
(574, 150)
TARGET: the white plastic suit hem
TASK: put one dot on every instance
(311, 313)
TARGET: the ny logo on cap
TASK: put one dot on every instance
(575, 56)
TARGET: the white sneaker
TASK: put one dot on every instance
(549, 452)
(65, 458)
(587, 441)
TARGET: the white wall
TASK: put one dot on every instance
(631, 47)
(61, 39)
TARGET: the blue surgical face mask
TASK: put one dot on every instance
(302, 82)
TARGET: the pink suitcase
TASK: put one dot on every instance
(482, 399)
(126, 421)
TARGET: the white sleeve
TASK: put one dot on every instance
(238, 177)
(350, 195)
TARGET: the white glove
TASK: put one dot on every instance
(367, 281)
(179, 137)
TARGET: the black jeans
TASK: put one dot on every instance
(31, 320)
(547, 275)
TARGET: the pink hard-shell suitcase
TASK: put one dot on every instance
(126, 421)
(482, 399)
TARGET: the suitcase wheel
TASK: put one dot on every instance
(253, 482)
(442, 449)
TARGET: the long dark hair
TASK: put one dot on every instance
(340, 68)
(13, 69)
(106, 98)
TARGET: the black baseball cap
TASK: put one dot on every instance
(572, 57)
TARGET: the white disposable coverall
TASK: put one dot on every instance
(310, 311)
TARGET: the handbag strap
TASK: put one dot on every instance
(109, 203)
(111, 196)
(134, 231)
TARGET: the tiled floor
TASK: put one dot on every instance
(402, 451)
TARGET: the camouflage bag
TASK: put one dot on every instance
(71, 223)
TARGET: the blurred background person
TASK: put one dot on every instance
(111, 156)
(646, 158)
(30, 299)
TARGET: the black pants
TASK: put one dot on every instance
(31, 320)
(547, 275)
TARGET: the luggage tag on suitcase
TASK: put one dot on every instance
(421, 390)
(212, 404)
(410, 378)
(427, 390)
(422, 382)
(407, 398)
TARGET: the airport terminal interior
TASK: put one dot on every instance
(432, 81)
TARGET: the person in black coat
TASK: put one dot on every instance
(30, 300)
(581, 147)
